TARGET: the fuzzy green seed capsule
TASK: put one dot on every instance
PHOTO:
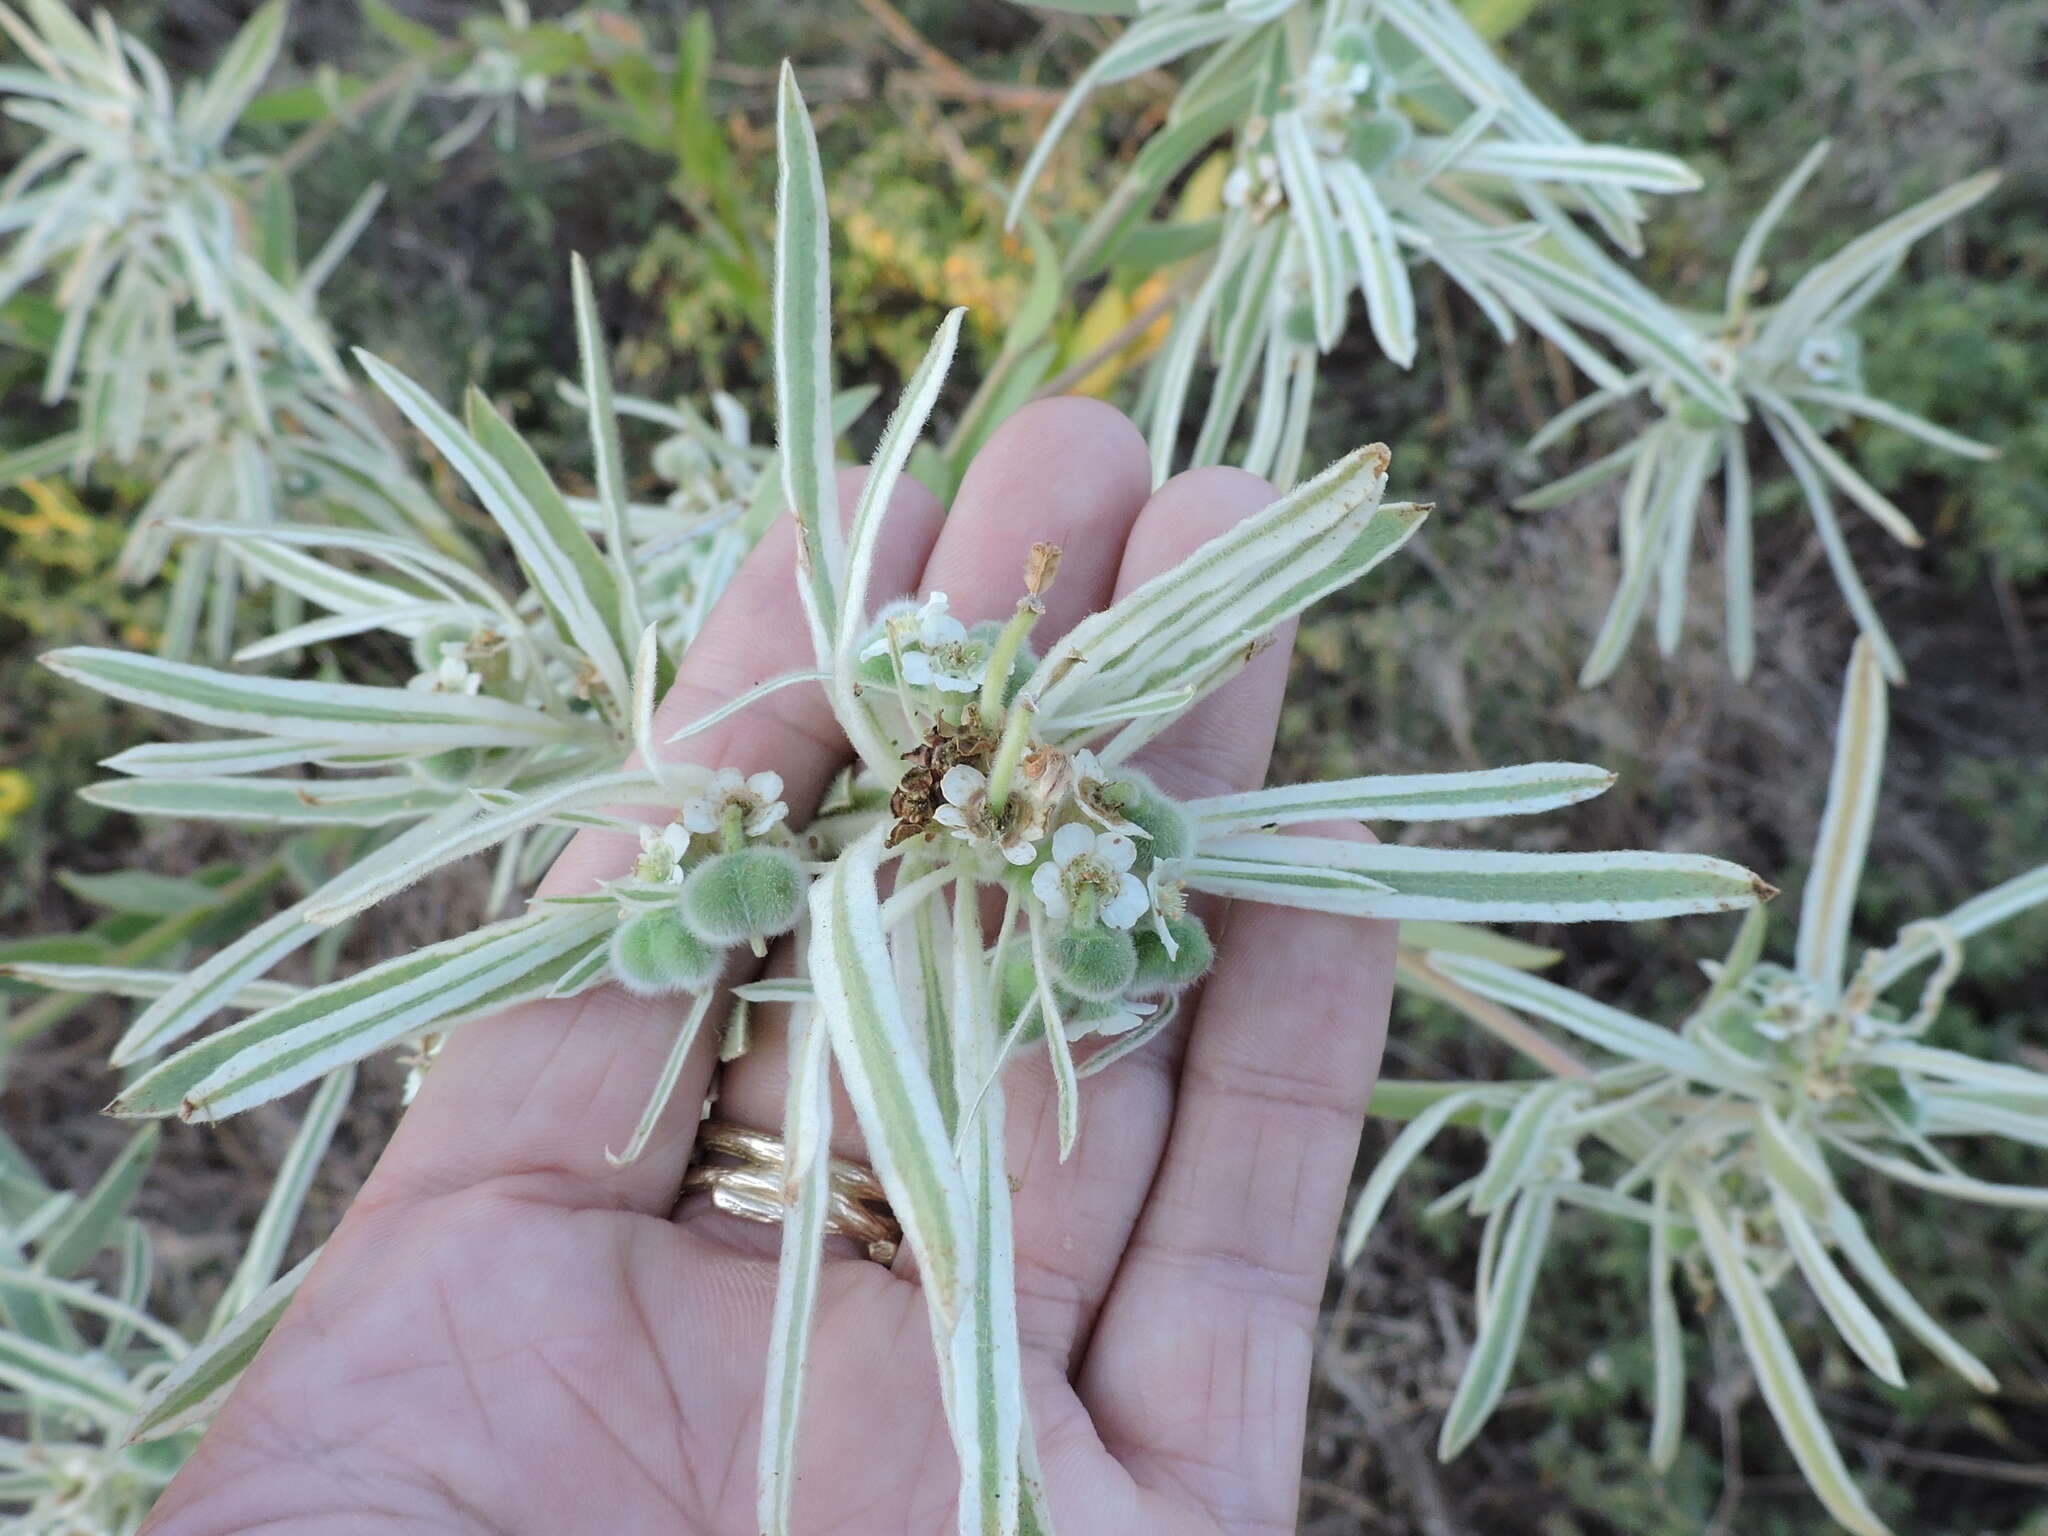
(655, 952)
(1159, 971)
(1168, 834)
(751, 893)
(427, 645)
(1376, 140)
(456, 767)
(1094, 962)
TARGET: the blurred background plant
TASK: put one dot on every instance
(923, 112)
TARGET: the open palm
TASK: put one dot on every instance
(507, 1334)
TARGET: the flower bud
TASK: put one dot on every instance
(1017, 993)
(455, 767)
(655, 952)
(1094, 962)
(1168, 835)
(1159, 971)
(750, 893)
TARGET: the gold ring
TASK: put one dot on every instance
(752, 1187)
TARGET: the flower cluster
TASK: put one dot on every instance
(721, 873)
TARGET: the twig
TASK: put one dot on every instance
(1124, 334)
(1413, 1469)
(314, 139)
(1507, 1027)
(911, 41)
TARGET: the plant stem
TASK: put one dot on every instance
(1124, 334)
(314, 139)
(1015, 734)
(1509, 1028)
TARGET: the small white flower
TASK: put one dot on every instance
(1126, 1016)
(1166, 889)
(1091, 781)
(758, 798)
(1823, 358)
(451, 674)
(661, 854)
(966, 814)
(1254, 184)
(939, 655)
(1327, 93)
(1089, 864)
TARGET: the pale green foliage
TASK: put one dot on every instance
(191, 343)
(1797, 366)
(107, 1393)
(1362, 137)
(1748, 1127)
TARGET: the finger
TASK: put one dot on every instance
(1071, 472)
(1216, 1299)
(544, 1088)
(1073, 1219)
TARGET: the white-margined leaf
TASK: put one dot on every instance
(1614, 164)
(1463, 885)
(1827, 285)
(1863, 1256)
(807, 1181)
(1779, 1374)
(391, 717)
(269, 1054)
(879, 1060)
(413, 858)
(1514, 791)
(564, 566)
(1829, 904)
(200, 1382)
(88, 1225)
(1612, 1030)
(263, 1255)
(1839, 469)
(1848, 1311)
(1228, 593)
(1413, 1140)
(803, 360)
(607, 454)
(353, 802)
(1513, 1283)
(129, 981)
(1884, 413)
(1836, 547)
(1667, 1340)
(1382, 270)
(1742, 271)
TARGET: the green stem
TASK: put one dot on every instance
(1004, 656)
(1016, 736)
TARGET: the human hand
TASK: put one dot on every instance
(507, 1334)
